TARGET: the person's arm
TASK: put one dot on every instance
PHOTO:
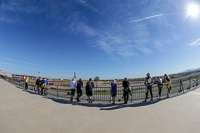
(92, 84)
(145, 80)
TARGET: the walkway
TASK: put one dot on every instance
(23, 112)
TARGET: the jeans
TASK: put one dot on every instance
(149, 88)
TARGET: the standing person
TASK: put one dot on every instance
(148, 82)
(169, 84)
(26, 83)
(113, 90)
(45, 86)
(160, 86)
(79, 91)
(89, 87)
(38, 84)
(73, 88)
(126, 90)
(42, 86)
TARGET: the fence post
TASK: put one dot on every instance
(34, 89)
(57, 91)
(189, 82)
(196, 80)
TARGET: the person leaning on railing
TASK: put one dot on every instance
(73, 88)
(126, 90)
(45, 86)
(169, 84)
(26, 83)
(113, 90)
(160, 86)
(42, 86)
(38, 84)
(79, 91)
(89, 87)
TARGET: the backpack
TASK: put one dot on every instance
(159, 81)
(89, 86)
(149, 80)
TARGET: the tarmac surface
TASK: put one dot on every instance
(25, 112)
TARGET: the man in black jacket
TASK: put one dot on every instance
(126, 90)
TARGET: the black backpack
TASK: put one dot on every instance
(89, 85)
(37, 81)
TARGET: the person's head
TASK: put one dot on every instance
(114, 81)
(125, 79)
(148, 74)
(47, 79)
(158, 77)
(43, 79)
(90, 79)
(39, 77)
(73, 79)
(165, 75)
(80, 79)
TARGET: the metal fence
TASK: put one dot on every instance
(103, 93)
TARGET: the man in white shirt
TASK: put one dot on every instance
(73, 88)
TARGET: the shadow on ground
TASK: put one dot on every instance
(105, 105)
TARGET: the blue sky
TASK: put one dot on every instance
(105, 38)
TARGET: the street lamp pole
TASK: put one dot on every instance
(38, 74)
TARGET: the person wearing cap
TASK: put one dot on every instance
(148, 82)
(169, 84)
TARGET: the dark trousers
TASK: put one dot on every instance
(26, 85)
(159, 90)
(42, 90)
(149, 88)
(126, 95)
(79, 93)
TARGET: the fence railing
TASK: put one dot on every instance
(103, 93)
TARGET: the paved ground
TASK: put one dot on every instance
(23, 112)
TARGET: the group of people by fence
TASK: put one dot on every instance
(41, 88)
(126, 89)
(41, 85)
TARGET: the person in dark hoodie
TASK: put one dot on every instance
(89, 88)
(126, 90)
(79, 91)
(148, 82)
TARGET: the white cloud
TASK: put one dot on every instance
(89, 6)
(146, 18)
(195, 43)
(28, 63)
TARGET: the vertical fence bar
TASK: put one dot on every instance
(189, 82)
(196, 80)
(57, 91)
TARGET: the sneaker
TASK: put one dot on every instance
(77, 99)
(145, 100)
(151, 99)
(91, 101)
